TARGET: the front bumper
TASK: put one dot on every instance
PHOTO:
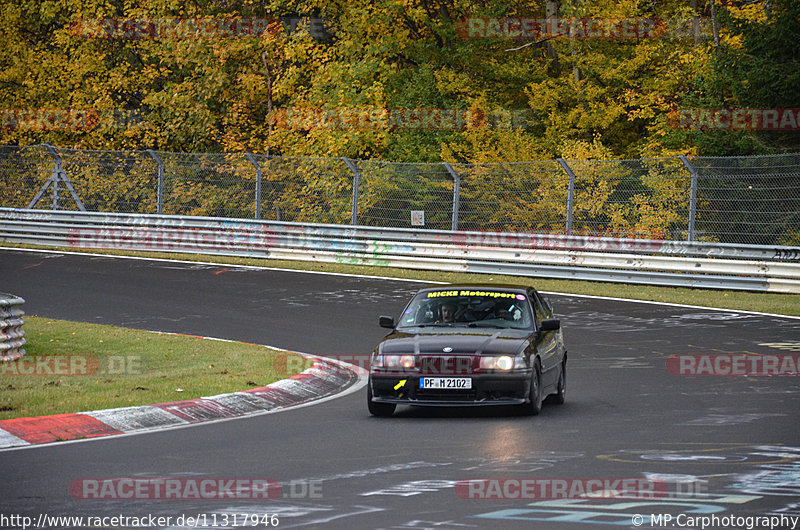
(487, 389)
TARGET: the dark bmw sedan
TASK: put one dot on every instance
(470, 345)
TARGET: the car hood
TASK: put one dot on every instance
(478, 342)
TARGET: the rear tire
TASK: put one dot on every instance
(534, 406)
(378, 409)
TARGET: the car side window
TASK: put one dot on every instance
(538, 309)
(548, 309)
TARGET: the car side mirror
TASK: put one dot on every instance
(386, 322)
(550, 324)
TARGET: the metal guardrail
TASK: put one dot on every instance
(12, 336)
(649, 262)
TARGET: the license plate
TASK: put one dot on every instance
(446, 383)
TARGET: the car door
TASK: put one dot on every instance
(548, 342)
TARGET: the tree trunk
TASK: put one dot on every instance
(551, 12)
(714, 27)
(268, 73)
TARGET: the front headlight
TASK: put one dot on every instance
(394, 362)
(502, 362)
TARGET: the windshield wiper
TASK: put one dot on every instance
(485, 325)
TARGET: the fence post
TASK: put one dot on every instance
(356, 180)
(692, 196)
(456, 194)
(58, 175)
(160, 185)
(570, 193)
(258, 183)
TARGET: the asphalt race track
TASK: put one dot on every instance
(722, 445)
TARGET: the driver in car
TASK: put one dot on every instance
(448, 310)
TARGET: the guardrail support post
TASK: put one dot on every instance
(58, 176)
(160, 184)
(258, 184)
(456, 194)
(570, 193)
(692, 196)
(356, 180)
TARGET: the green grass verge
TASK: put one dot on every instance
(784, 304)
(80, 367)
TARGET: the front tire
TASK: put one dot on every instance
(534, 405)
(378, 409)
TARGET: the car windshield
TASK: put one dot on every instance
(468, 308)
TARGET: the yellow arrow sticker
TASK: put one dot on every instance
(400, 384)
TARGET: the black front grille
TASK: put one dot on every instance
(446, 395)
